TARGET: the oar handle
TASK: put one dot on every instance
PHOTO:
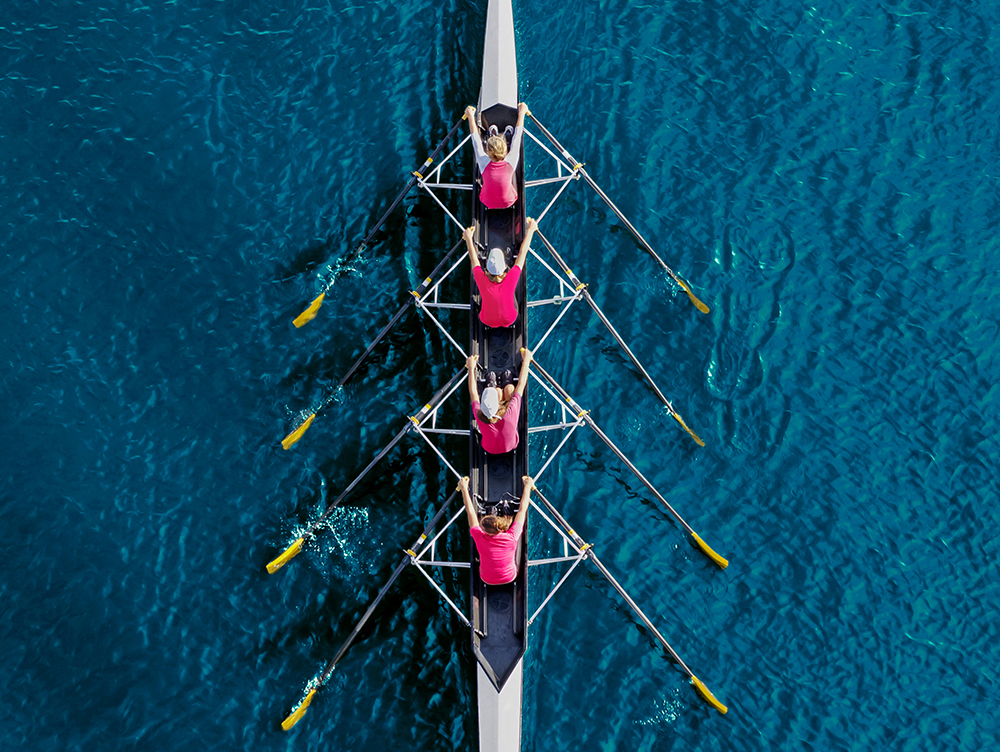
(578, 167)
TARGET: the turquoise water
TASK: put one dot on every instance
(176, 179)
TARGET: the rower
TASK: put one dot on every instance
(499, 409)
(496, 537)
(496, 283)
(496, 160)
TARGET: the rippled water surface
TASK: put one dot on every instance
(178, 179)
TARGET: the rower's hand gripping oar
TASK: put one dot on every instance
(588, 550)
(578, 167)
(581, 288)
(289, 553)
(310, 313)
(415, 295)
(584, 414)
(321, 679)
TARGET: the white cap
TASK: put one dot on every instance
(490, 403)
(496, 264)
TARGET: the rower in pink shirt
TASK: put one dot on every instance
(496, 160)
(496, 283)
(498, 411)
(496, 537)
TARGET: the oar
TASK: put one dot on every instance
(415, 295)
(310, 313)
(582, 289)
(321, 679)
(588, 550)
(584, 414)
(289, 553)
(578, 167)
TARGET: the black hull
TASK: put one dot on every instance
(499, 612)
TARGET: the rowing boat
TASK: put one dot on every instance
(500, 612)
(498, 617)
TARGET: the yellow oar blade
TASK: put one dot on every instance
(684, 425)
(709, 697)
(290, 553)
(296, 715)
(310, 313)
(297, 433)
(707, 550)
(694, 298)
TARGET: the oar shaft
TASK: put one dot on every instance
(418, 175)
(638, 611)
(611, 445)
(413, 421)
(635, 471)
(578, 167)
(589, 552)
(378, 338)
(336, 502)
(385, 589)
(414, 295)
(614, 333)
(310, 313)
(296, 715)
(720, 561)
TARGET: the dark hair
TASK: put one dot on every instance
(493, 524)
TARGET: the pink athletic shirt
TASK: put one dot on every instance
(498, 308)
(502, 436)
(498, 191)
(497, 565)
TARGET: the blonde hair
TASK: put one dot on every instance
(495, 148)
(492, 524)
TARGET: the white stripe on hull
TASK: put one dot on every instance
(500, 713)
(499, 57)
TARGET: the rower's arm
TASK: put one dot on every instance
(470, 364)
(482, 159)
(470, 510)
(470, 115)
(526, 243)
(471, 246)
(522, 512)
(522, 379)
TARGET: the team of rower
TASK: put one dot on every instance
(498, 409)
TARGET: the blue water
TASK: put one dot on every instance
(178, 178)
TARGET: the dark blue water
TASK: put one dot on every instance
(178, 178)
